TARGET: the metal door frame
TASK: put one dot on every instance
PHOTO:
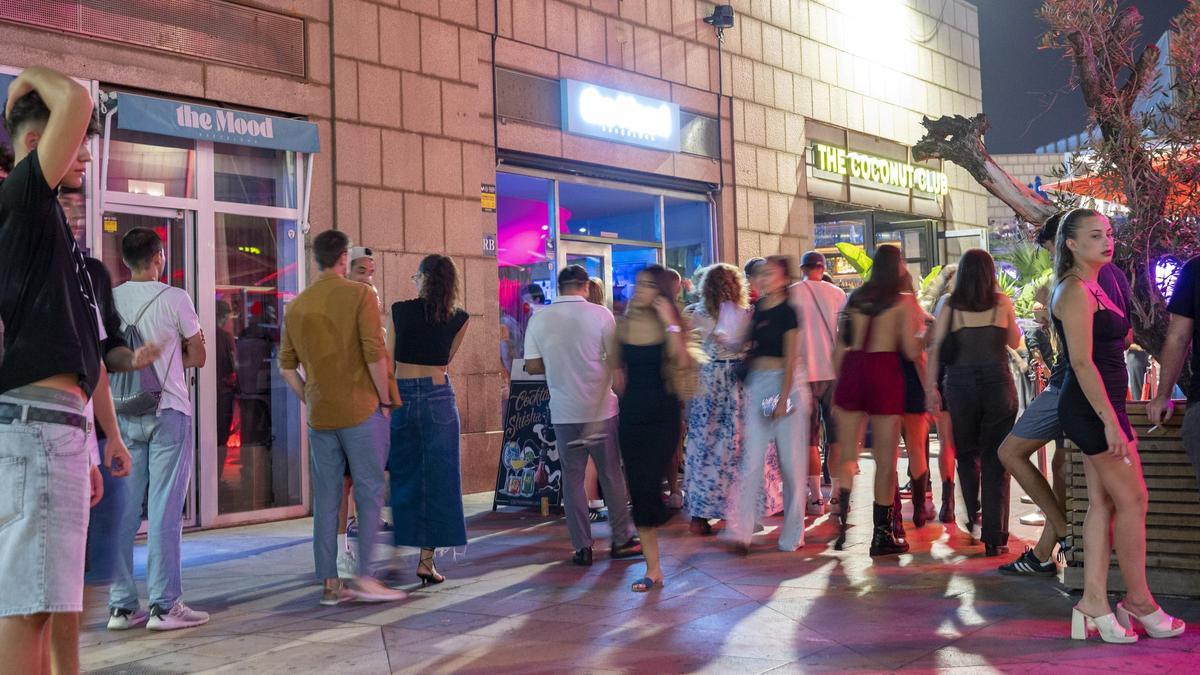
(604, 251)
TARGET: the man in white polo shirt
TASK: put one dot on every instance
(566, 341)
(818, 303)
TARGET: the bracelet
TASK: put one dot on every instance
(673, 328)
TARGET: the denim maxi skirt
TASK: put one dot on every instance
(426, 486)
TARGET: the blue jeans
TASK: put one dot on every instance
(163, 450)
(427, 503)
(103, 522)
(44, 492)
(364, 447)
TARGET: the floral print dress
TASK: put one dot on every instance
(713, 449)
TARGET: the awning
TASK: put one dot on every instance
(1182, 195)
(222, 125)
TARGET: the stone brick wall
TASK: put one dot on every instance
(853, 64)
(413, 142)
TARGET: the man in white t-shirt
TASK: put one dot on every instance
(162, 443)
(567, 341)
(817, 304)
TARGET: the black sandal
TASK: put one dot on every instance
(431, 577)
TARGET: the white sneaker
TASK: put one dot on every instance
(180, 616)
(347, 564)
(124, 619)
(1026, 499)
(1035, 518)
(366, 589)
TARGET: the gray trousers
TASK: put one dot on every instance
(1191, 437)
(364, 447)
(573, 452)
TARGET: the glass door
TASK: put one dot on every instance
(177, 230)
(257, 424)
(912, 237)
(595, 258)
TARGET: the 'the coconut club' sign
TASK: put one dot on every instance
(222, 125)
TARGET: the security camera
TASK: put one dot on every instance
(721, 18)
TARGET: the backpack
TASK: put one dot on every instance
(137, 392)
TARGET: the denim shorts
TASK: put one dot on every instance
(1040, 420)
(44, 497)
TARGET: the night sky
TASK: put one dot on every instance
(1025, 91)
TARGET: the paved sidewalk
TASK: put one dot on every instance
(514, 603)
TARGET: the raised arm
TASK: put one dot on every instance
(70, 112)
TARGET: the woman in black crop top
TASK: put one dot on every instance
(775, 409)
(424, 335)
(1092, 330)
(970, 339)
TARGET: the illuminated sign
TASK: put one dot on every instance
(612, 115)
(879, 170)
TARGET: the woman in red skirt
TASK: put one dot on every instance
(880, 323)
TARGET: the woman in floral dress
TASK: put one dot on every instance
(713, 449)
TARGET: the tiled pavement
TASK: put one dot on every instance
(514, 604)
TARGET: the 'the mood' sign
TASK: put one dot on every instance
(222, 125)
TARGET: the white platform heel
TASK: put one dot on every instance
(1107, 626)
(1158, 624)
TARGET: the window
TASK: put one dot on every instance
(608, 213)
(249, 175)
(150, 164)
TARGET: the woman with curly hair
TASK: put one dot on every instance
(424, 335)
(714, 438)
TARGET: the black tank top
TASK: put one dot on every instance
(1108, 353)
(979, 345)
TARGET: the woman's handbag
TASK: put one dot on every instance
(684, 381)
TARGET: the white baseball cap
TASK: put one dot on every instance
(357, 252)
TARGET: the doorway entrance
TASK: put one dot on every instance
(547, 220)
(229, 216)
(868, 229)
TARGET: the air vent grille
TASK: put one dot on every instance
(209, 29)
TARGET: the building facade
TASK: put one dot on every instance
(514, 135)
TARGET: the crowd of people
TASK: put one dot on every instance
(760, 389)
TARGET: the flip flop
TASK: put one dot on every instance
(645, 584)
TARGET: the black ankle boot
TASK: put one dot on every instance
(898, 516)
(918, 499)
(946, 515)
(843, 518)
(883, 541)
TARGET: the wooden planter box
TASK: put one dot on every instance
(1173, 517)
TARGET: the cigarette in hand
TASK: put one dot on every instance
(1152, 429)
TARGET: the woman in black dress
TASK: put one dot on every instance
(1092, 333)
(651, 346)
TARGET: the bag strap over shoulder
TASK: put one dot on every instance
(144, 308)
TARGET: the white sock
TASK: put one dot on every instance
(596, 504)
(814, 488)
(342, 543)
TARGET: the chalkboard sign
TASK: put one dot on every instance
(529, 467)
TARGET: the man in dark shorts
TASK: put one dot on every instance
(1038, 426)
(1185, 309)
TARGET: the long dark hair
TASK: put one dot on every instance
(1068, 226)
(439, 287)
(975, 287)
(664, 281)
(884, 286)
